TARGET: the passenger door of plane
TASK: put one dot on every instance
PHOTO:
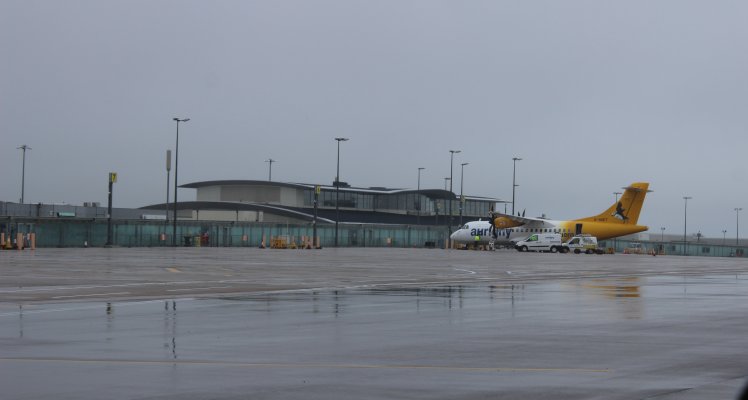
(578, 229)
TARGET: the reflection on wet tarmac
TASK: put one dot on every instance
(20, 320)
(623, 297)
(110, 327)
(619, 287)
(449, 296)
(170, 327)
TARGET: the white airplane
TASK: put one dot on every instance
(475, 233)
(618, 220)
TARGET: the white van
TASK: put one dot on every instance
(540, 242)
(582, 244)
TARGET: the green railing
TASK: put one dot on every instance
(679, 248)
(52, 232)
(137, 233)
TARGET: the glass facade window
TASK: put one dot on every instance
(410, 203)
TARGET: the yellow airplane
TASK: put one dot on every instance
(618, 220)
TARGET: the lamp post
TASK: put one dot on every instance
(685, 221)
(737, 225)
(337, 189)
(616, 203)
(462, 199)
(168, 179)
(724, 236)
(23, 147)
(451, 162)
(418, 196)
(270, 162)
(176, 183)
(514, 185)
(112, 181)
(662, 234)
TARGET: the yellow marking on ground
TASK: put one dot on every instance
(173, 269)
(304, 365)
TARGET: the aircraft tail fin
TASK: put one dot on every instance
(628, 207)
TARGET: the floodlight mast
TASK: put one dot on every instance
(176, 179)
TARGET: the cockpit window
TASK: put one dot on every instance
(465, 227)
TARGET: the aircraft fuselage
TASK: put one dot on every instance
(480, 231)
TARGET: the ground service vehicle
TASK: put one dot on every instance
(541, 242)
(634, 248)
(582, 244)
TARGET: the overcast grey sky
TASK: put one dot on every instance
(592, 95)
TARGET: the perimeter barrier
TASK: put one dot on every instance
(81, 232)
(147, 233)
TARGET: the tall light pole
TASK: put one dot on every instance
(270, 162)
(662, 234)
(451, 196)
(737, 224)
(176, 183)
(168, 176)
(418, 195)
(724, 236)
(462, 199)
(337, 189)
(23, 169)
(616, 203)
(685, 221)
(514, 185)
(112, 181)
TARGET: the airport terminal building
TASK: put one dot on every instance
(267, 201)
(246, 213)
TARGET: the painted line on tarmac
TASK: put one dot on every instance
(199, 288)
(50, 289)
(90, 295)
(78, 308)
(304, 365)
(465, 270)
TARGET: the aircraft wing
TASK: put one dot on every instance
(518, 219)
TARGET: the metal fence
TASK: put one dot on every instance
(138, 233)
(53, 232)
(677, 248)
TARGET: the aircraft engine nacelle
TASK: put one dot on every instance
(504, 222)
